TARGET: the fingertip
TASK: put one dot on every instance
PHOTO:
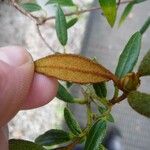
(43, 90)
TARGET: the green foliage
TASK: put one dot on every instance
(140, 102)
(71, 22)
(61, 2)
(109, 9)
(71, 122)
(96, 135)
(101, 148)
(128, 9)
(61, 26)
(53, 137)
(129, 56)
(144, 68)
(100, 89)
(31, 7)
(145, 26)
(15, 144)
(64, 95)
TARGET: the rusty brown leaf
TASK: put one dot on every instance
(73, 68)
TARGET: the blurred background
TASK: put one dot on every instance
(91, 36)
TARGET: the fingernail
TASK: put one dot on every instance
(14, 55)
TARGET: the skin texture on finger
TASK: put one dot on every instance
(42, 91)
(16, 74)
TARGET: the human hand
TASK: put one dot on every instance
(20, 87)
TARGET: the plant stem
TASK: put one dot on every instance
(145, 26)
(119, 99)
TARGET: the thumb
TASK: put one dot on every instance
(16, 73)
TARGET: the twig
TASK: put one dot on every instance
(118, 4)
(43, 39)
(84, 11)
(119, 99)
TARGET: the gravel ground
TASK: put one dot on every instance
(19, 30)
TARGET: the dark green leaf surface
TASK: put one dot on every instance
(61, 26)
(69, 84)
(71, 22)
(129, 56)
(144, 68)
(100, 89)
(128, 9)
(61, 2)
(145, 26)
(18, 144)
(64, 95)
(31, 7)
(109, 9)
(95, 136)
(101, 147)
(140, 102)
(71, 122)
(52, 137)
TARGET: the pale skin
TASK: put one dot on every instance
(20, 87)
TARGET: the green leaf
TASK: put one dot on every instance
(18, 144)
(95, 136)
(71, 122)
(61, 2)
(129, 56)
(61, 26)
(110, 118)
(69, 84)
(125, 13)
(144, 68)
(128, 9)
(145, 26)
(101, 147)
(140, 102)
(64, 95)
(110, 10)
(100, 89)
(71, 22)
(53, 137)
(31, 7)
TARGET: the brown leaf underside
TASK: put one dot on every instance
(72, 68)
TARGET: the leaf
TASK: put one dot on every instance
(100, 89)
(95, 136)
(64, 95)
(110, 118)
(145, 26)
(101, 147)
(61, 2)
(140, 102)
(71, 22)
(61, 26)
(31, 7)
(128, 9)
(69, 84)
(110, 10)
(18, 144)
(71, 122)
(73, 68)
(144, 68)
(129, 56)
(53, 137)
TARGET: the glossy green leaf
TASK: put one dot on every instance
(128, 9)
(140, 102)
(95, 136)
(129, 56)
(109, 9)
(18, 144)
(71, 22)
(53, 137)
(71, 122)
(144, 68)
(100, 89)
(61, 2)
(145, 26)
(31, 7)
(61, 26)
(64, 95)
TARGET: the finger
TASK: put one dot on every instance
(42, 91)
(16, 74)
